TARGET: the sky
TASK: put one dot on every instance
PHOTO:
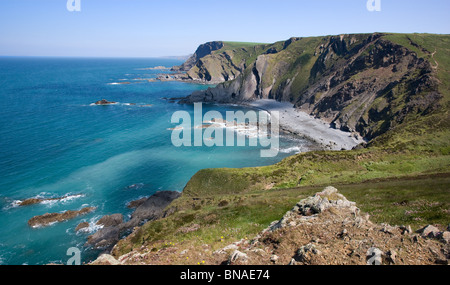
(156, 28)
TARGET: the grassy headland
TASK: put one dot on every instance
(401, 177)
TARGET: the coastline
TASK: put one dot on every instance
(301, 124)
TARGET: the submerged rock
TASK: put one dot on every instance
(50, 218)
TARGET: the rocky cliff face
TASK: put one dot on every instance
(359, 83)
(217, 62)
(202, 51)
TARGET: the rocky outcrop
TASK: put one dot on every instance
(153, 208)
(33, 201)
(324, 229)
(30, 201)
(136, 203)
(214, 63)
(82, 226)
(328, 229)
(110, 221)
(113, 226)
(51, 218)
(202, 51)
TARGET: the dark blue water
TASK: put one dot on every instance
(53, 143)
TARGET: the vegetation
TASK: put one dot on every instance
(401, 177)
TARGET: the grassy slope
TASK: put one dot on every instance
(402, 178)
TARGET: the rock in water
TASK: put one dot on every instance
(136, 203)
(109, 221)
(50, 218)
(104, 102)
(82, 226)
(104, 238)
(150, 209)
(30, 201)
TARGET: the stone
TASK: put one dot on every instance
(429, 232)
(305, 252)
(152, 209)
(405, 230)
(274, 258)
(82, 226)
(344, 233)
(104, 238)
(110, 221)
(374, 256)
(136, 203)
(50, 218)
(391, 256)
(445, 237)
(324, 200)
(30, 201)
(237, 256)
(106, 259)
(387, 229)
(104, 102)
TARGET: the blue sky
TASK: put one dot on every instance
(151, 28)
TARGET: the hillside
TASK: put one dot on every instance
(393, 89)
(368, 83)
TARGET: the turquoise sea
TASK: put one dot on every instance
(53, 143)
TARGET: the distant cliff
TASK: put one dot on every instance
(366, 83)
(218, 62)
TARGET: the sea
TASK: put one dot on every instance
(54, 142)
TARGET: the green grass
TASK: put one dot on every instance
(237, 45)
(403, 176)
(318, 168)
(413, 201)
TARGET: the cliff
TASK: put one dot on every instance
(217, 62)
(392, 88)
(365, 83)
